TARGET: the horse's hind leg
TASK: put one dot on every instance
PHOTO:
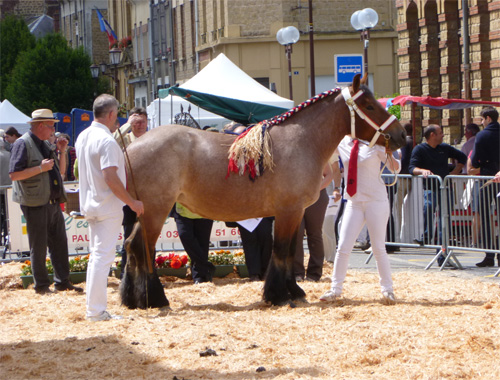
(139, 288)
(280, 285)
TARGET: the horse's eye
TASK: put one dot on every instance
(370, 108)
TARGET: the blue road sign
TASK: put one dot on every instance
(347, 66)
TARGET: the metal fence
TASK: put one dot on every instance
(459, 213)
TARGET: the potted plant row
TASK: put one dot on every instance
(173, 264)
(77, 270)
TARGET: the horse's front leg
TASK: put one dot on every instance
(280, 286)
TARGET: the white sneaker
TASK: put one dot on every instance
(329, 296)
(389, 298)
(104, 316)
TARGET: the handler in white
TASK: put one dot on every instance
(101, 168)
(368, 205)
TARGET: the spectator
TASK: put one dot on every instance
(258, 243)
(70, 157)
(485, 157)
(431, 158)
(194, 232)
(137, 125)
(38, 187)
(101, 168)
(11, 135)
(4, 181)
(312, 224)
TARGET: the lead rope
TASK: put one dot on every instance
(387, 158)
(143, 228)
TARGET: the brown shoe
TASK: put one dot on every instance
(68, 286)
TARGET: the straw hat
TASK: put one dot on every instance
(42, 115)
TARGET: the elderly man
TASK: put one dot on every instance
(431, 158)
(38, 187)
(101, 168)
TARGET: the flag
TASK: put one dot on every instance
(105, 27)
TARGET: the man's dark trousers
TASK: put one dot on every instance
(46, 229)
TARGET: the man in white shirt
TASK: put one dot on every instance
(101, 168)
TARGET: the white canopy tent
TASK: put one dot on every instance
(221, 79)
(10, 116)
(163, 111)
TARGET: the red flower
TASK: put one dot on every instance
(184, 259)
(176, 263)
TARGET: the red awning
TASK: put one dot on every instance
(441, 103)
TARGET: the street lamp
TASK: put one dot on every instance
(287, 37)
(363, 21)
(114, 59)
(94, 71)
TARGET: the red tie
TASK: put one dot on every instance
(352, 173)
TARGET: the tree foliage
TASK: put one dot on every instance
(51, 75)
(15, 38)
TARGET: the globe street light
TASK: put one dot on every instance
(363, 21)
(287, 37)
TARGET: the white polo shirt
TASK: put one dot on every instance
(370, 186)
(96, 149)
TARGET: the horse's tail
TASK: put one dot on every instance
(139, 288)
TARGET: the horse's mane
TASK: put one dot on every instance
(252, 149)
(278, 119)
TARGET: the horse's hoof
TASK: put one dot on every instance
(165, 310)
(301, 300)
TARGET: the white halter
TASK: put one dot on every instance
(350, 101)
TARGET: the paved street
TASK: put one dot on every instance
(419, 258)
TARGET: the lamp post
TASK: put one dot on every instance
(287, 37)
(94, 71)
(363, 21)
(114, 60)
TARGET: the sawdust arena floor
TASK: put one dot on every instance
(443, 327)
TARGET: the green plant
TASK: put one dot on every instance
(222, 257)
(76, 264)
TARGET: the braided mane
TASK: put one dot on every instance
(252, 149)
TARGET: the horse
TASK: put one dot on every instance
(176, 163)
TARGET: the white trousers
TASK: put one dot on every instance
(103, 237)
(375, 214)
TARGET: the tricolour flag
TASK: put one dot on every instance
(105, 27)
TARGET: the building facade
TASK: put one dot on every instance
(439, 57)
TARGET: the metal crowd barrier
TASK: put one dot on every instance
(443, 215)
(472, 208)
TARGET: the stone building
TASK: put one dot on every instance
(31, 9)
(173, 40)
(432, 60)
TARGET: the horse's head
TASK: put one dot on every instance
(369, 120)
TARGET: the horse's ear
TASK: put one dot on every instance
(355, 83)
(364, 79)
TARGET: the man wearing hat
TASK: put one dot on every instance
(38, 187)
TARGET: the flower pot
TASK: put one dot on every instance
(179, 272)
(242, 270)
(223, 270)
(74, 277)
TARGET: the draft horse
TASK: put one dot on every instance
(175, 163)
